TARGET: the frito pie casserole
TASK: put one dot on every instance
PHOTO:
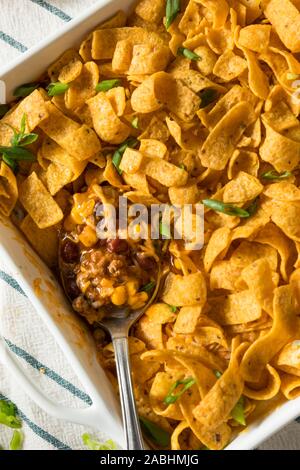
(182, 102)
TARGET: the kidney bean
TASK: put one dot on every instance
(117, 246)
(70, 252)
(72, 289)
(146, 262)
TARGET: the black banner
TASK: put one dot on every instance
(134, 460)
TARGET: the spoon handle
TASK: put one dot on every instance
(134, 440)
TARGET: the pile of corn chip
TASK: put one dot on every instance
(209, 90)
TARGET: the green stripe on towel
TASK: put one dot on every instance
(49, 373)
(52, 9)
(11, 282)
(12, 42)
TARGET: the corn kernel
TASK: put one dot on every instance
(119, 296)
(88, 237)
(106, 282)
(177, 264)
(75, 216)
(132, 300)
(84, 287)
(132, 287)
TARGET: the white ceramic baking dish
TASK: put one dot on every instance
(45, 293)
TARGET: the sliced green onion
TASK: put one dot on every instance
(188, 54)
(20, 139)
(16, 441)
(8, 408)
(58, 88)
(182, 166)
(10, 162)
(29, 139)
(218, 374)
(8, 415)
(208, 96)
(148, 287)
(93, 444)
(106, 85)
(238, 413)
(173, 308)
(23, 124)
(17, 153)
(228, 209)
(117, 157)
(274, 175)
(153, 432)
(172, 10)
(135, 122)
(173, 397)
(4, 108)
(252, 208)
(25, 90)
(164, 231)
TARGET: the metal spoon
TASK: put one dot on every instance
(117, 323)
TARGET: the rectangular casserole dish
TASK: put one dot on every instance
(45, 293)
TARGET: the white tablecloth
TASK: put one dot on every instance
(23, 23)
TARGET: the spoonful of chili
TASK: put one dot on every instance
(111, 285)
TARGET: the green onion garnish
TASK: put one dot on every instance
(10, 162)
(16, 441)
(173, 397)
(164, 231)
(238, 413)
(117, 156)
(252, 208)
(173, 308)
(188, 54)
(106, 85)
(25, 90)
(20, 139)
(218, 374)
(10, 155)
(92, 444)
(172, 10)
(4, 108)
(8, 415)
(153, 432)
(208, 96)
(135, 122)
(148, 287)
(274, 175)
(17, 153)
(228, 209)
(55, 89)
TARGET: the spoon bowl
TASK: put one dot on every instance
(117, 321)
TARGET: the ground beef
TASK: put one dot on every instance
(96, 266)
(97, 263)
(83, 307)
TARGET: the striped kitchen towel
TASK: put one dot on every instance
(23, 23)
